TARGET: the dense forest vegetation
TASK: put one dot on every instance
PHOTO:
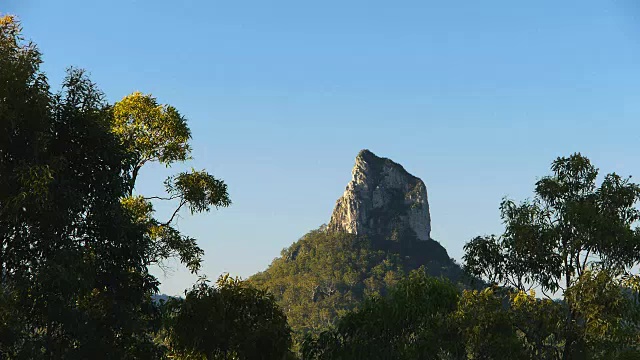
(325, 274)
(77, 241)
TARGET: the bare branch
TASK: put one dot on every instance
(586, 258)
(134, 174)
(182, 203)
(161, 198)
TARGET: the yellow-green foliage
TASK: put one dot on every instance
(487, 329)
(608, 309)
(154, 132)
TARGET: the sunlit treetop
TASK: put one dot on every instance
(154, 132)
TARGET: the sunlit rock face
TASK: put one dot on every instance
(384, 201)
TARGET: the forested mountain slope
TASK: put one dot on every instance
(379, 231)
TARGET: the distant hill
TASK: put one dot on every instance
(159, 298)
(379, 230)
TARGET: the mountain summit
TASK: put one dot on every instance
(387, 205)
(382, 200)
(378, 233)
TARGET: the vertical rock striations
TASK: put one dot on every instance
(379, 231)
(382, 201)
(390, 207)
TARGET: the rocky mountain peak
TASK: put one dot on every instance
(382, 200)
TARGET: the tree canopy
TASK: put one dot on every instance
(232, 320)
(153, 132)
(575, 238)
(411, 322)
(74, 280)
(76, 243)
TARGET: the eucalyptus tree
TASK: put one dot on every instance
(573, 231)
(74, 281)
(154, 132)
(231, 320)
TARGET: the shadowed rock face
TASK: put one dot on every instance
(382, 201)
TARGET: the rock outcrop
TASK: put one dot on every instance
(379, 231)
(383, 201)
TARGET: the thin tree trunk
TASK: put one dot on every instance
(568, 346)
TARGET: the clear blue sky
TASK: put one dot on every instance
(475, 97)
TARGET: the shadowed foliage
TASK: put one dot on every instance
(231, 320)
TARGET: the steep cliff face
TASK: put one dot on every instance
(379, 232)
(382, 200)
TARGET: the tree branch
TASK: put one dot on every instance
(545, 294)
(161, 198)
(134, 174)
(586, 258)
(182, 203)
